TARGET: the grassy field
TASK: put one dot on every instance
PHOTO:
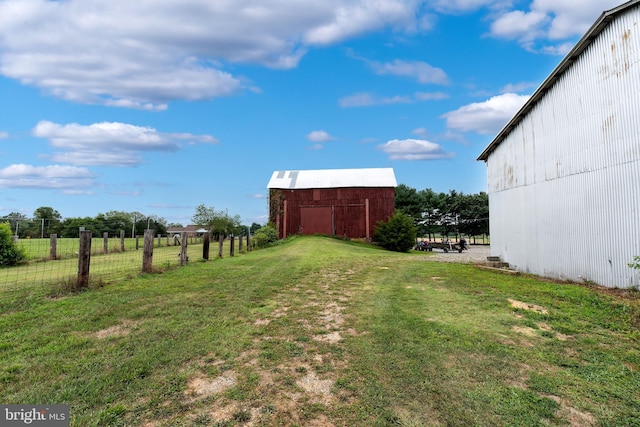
(39, 249)
(321, 332)
(39, 271)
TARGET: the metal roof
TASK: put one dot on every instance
(333, 178)
(567, 62)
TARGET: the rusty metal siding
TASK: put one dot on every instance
(564, 185)
(348, 207)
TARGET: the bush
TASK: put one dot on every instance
(397, 234)
(265, 235)
(10, 253)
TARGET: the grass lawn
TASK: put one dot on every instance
(321, 332)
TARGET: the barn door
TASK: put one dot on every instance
(316, 219)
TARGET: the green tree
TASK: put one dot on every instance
(398, 233)
(444, 213)
(115, 221)
(70, 227)
(432, 211)
(409, 201)
(204, 215)
(18, 223)
(474, 214)
(10, 253)
(48, 220)
(219, 223)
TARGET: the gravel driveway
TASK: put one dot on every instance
(475, 254)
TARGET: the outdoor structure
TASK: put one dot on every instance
(564, 173)
(192, 230)
(335, 202)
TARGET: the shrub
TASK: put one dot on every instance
(397, 234)
(265, 235)
(10, 253)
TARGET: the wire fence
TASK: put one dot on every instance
(54, 265)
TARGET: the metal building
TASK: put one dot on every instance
(564, 173)
(336, 202)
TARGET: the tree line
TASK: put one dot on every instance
(444, 213)
(47, 220)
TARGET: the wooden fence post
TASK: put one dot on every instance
(121, 240)
(84, 258)
(105, 244)
(53, 245)
(248, 243)
(183, 248)
(159, 241)
(240, 243)
(206, 239)
(220, 242)
(147, 256)
(167, 239)
(232, 247)
(137, 242)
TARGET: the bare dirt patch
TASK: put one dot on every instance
(575, 417)
(524, 330)
(314, 385)
(202, 387)
(283, 391)
(120, 330)
(332, 337)
(526, 306)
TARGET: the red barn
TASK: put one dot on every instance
(335, 202)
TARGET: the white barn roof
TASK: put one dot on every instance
(333, 178)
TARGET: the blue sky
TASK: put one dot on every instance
(158, 107)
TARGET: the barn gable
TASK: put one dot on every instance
(564, 173)
(342, 202)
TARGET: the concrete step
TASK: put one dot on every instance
(498, 264)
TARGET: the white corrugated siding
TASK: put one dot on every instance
(564, 186)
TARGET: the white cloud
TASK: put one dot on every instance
(517, 24)
(414, 149)
(51, 177)
(110, 143)
(418, 70)
(350, 18)
(551, 20)
(319, 136)
(517, 87)
(76, 192)
(561, 49)
(4, 135)
(430, 96)
(366, 99)
(421, 132)
(453, 6)
(486, 117)
(144, 54)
